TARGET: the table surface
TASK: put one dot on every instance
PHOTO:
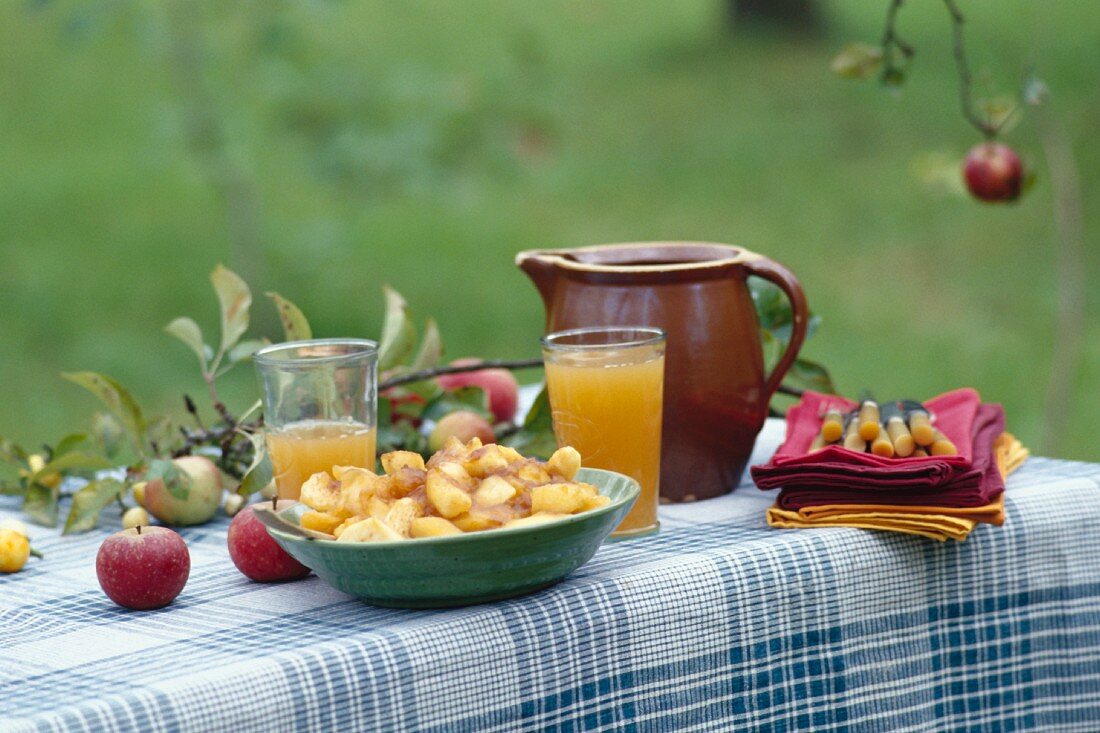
(718, 622)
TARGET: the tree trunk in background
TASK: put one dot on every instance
(799, 16)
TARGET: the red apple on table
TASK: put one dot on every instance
(256, 553)
(143, 567)
(203, 497)
(993, 172)
(499, 384)
(462, 424)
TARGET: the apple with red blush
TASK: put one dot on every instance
(462, 424)
(143, 567)
(256, 553)
(499, 384)
(202, 499)
(993, 172)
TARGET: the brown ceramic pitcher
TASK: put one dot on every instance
(716, 393)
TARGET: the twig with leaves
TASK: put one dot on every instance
(409, 396)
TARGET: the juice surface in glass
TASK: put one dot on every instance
(300, 449)
(608, 406)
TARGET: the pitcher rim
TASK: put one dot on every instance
(737, 255)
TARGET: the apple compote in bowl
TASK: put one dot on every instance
(475, 523)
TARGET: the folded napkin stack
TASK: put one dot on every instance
(935, 496)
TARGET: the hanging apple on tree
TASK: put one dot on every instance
(992, 171)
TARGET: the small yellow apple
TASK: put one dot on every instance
(15, 548)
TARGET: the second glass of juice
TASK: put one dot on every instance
(606, 390)
(320, 407)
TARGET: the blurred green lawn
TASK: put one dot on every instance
(422, 144)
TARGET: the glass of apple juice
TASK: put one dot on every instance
(606, 395)
(320, 407)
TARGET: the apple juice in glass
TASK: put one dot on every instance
(320, 407)
(606, 390)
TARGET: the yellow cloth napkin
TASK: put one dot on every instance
(938, 523)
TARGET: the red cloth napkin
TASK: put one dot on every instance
(837, 476)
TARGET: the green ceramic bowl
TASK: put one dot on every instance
(465, 569)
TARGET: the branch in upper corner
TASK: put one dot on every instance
(984, 126)
(892, 44)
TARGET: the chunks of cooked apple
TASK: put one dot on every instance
(557, 498)
(475, 521)
(394, 461)
(491, 459)
(432, 527)
(357, 487)
(446, 493)
(321, 492)
(534, 520)
(401, 515)
(320, 521)
(463, 487)
(369, 530)
(494, 490)
(565, 462)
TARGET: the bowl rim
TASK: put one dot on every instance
(633, 491)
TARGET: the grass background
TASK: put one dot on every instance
(422, 144)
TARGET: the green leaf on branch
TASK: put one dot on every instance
(893, 78)
(474, 399)
(160, 430)
(254, 407)
(295, 325)
(73, 442)
(806, 374)
(112, 394)
(431, 348)
(72, 462)
(11, 452)
(245, 350)
(187, 331)
(858, 61)
(771, 349)
(107, 432)
(261, 472)
(176, 481)
(1000, 112)
(235, 299)
(536, 436)
(429, 389)
(89, 502)
(772, 308)
(398, 332)
(400, 435)
(939, 171)
(783, 333)
(40, 504)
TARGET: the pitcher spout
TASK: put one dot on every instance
(541, 267)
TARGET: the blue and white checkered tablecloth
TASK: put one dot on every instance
(718, 623)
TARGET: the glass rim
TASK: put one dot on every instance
(267, 355)
(652, 336)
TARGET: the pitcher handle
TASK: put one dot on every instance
(774, 272)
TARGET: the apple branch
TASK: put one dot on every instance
(426, 374)
(892, 42)
(984, 126)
